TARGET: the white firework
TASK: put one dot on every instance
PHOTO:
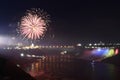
(33, 25)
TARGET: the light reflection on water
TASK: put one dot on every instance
(49, 66)
(68, 67)
(60, 66)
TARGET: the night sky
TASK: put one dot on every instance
(70, 20)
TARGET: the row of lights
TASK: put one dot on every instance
(39, 47)
(97, 44)
(31, 56)
(36, 56)
(98, 47)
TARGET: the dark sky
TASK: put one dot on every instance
(70, 19)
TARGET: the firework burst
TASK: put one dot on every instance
(34, 24)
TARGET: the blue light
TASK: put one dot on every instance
(99, 49)
(100, 52)
(106, 52)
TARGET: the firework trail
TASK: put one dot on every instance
(34, 24)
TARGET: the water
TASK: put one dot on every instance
(63, 67)
(73, 70)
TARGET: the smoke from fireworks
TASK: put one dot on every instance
(34, 24)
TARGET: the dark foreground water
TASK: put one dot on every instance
(55, 67)
(74, 70)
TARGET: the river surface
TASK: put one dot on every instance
(55, 66)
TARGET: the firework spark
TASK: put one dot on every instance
(33, 25)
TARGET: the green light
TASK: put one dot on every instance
(110, 53)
